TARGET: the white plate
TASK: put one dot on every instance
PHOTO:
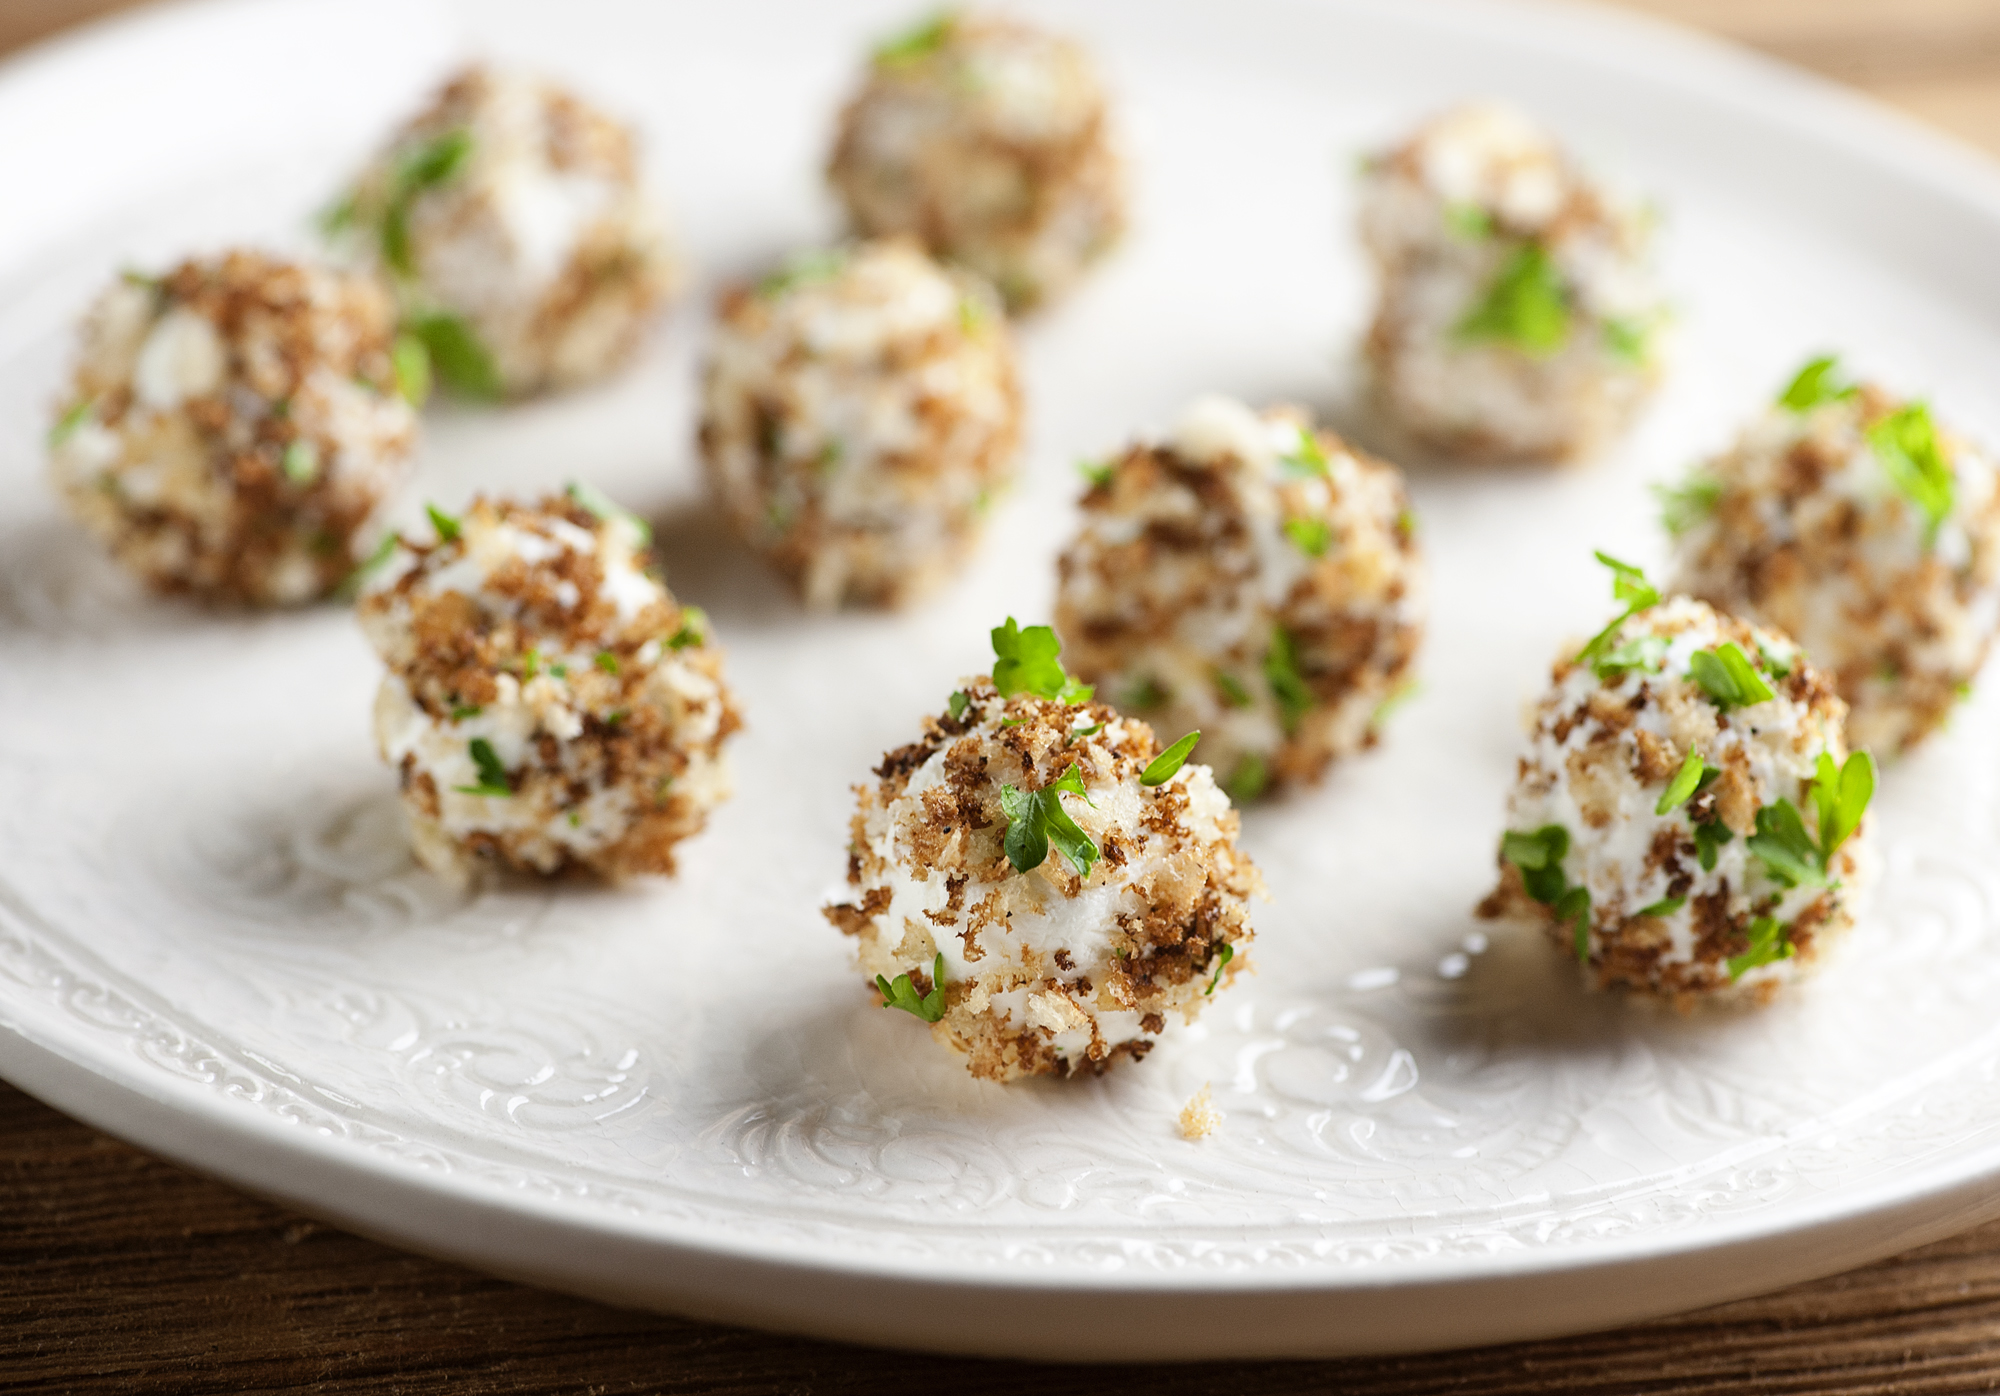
(679, 1094)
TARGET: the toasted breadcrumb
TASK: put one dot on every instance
(1199, 1117)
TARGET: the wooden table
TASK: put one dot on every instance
(122, 1273)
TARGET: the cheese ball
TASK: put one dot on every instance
(1849, 519)
(1518, 317)
(990, 140)
(234, 427)
(548, 704)
(860, 411)
(1250, 577)
(1041, 884)
(510, 217)
(1686, 819)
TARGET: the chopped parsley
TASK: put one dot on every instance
(1728, 677)
(1782, 844)
(1223, 955)
(832, 453)
(1647, 654)
(807, 268)
(1025, 662)
(339, 216)
(903, 994)
(465, 710)
(350, 585)
(1780, 665)
(1525, 306)
(1146, 693)
(1818, 382)
(1406, 522)
(1539, 857)
(1248, 780)
(410, 362)
(448, 526)
(1906, 443)
(456, 355)
(1469, 221)
(1840, 796)
(693, 629)
(1628, 584)
(1310, 536)
(300, 461)
(1306, 458)
(492, 775)
(424, 167)
(1768, 943)
(1168, 763)
(67, 424)
(1694, 774)
(1709, 836)
(917, 42)
(1234, 694)
(601, 505)
(1629, 339)
(1395, 698)
(957, 703)
(1076, 733)
(1684, 505)
(607, 661)
(1281, 672)
(1035, 819)
(1098, 474)
(1666, 906)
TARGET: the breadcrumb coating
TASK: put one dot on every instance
(233, 427)
(514, 208)
(1518, 317)
(1675, 894)
(1250, 577)
(1199, 1118)
(860, 411)
(1046, 972)
(548, 704)
(990, 140)
(1802, 526)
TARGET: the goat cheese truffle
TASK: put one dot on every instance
(234, 427)
(1849, 519)
(1518, 316)
(860, 411)
(990, 140)
(1686, 819)
(548, 704)
(510, 217)
(1250, 577)
(1034, 962)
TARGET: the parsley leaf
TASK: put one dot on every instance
(1768, 943)
(1786, 850)
(1224, 953)
(1025, 662)
(1168, 763)
(410, 362)
(300, 461)
(465, 710)
(1694, 772)
(918, 42)
(1234, 694)
(603, 506)
(67, 424)
(607, 661)
(1574, 905)
(1645, 653)
(1248, 780)
(1906, 444)
(1035, 819)
(903, 994)
(456, 355)
(1666, 906)
(1098, 474)
(1684, 505)
(1526, 305)
(1708, 837)
(1539, 857)
(492, 775)
(1306, 458)
(1818, 382)
(1146, 693)
(1728, 677)
(426, 166)
(693, 629)
(957, 703)
(1393, 700)
(1629, 338)
(1840, 797)
(350, 585)
(1468, 221)
(448, 526)
(1310, 536)
(1281, 672)
(807, 268)
(1628, 584)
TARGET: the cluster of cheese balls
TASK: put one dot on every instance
(1036, 876)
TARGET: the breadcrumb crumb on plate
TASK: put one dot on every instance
(1199, 1118)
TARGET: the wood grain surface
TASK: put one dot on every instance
(119, 1273)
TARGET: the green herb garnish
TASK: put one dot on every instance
(1248, 780)
(465, 710)
(1281, 672)
(492, 775)
(1539, 858)
(1628, 584)
(339, 216)
(1818, 382)
(1146, 693)
(67, 424)
(1785, 848)
(693, 629)
(1628, 339)
(1098, 474)
(1396, 697)
(607, 661)
(1646, 654)
(1025, 661)
(424, 167)
(1223, 955)
(1574, 905)
(1666, 906)
(1728, 677)
(1692, 776)
(456, 355)
(806, 268)
(447, 526)
(1840, 796)
(1306, 458)
(1906, 444)
(1684, 505)
(1310, 536)
(903, 994)
(350, 585)
(1525, 306)
(957, 703)
(1035, 819)
(410, 362)
(1709, 836)
(300, 461)
(1168, 763)
(1469, 221)
(919, 41)
(1234, 694)
(602, 506)
(1768, 943)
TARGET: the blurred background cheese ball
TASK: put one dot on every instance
(234, 427)
(1250, 577)
(860, 412)
(1518, 316)
(1850, 519)
(548, 704)
(989, 140)
(510, 217)
(1686, 819)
